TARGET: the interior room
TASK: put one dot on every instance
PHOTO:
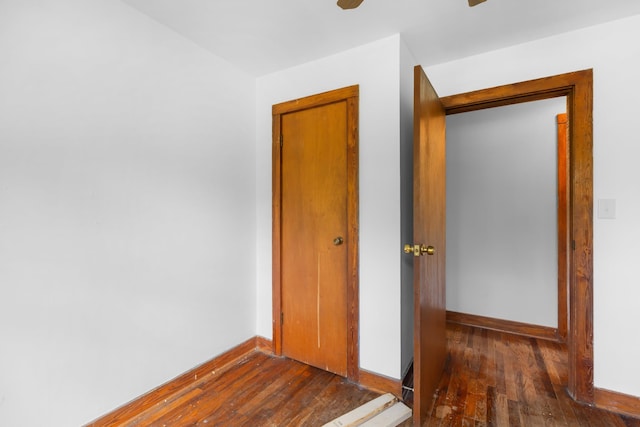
(136, 177)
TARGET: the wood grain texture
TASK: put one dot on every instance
(499, 379)
(563, 223)
(580, 101)
(380, 383)
(315, 100)
(490, 378)
(577, 87)
(314, 272)
(429, 218)
(257, 390)
(501, 325)
(350, 96)
(264, 345)
(353, 236)
(618, 402)
(276, 240)
(515, 93)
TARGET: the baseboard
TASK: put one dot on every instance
(620, 403)
(265, 345)
(141, 404)
(509, 326)
(380, 383)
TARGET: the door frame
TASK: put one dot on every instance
(350, 95)
(562, 223)
(577, 87)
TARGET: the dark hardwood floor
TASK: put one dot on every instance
(491, 379)
(260, 390)
(499, 379)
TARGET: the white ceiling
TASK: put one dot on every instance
(263, 36)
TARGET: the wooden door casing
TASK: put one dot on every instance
(578, 88)
(563, 225)
(343, 102)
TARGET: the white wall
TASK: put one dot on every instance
(126, 183)
(502, 212)
(613, 53)
(375, 67)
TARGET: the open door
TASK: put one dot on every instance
(428, 248)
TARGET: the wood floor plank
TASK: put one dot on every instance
(275, 408)
(501, 411)
(285, 401)
(501, 386)
(310, 402)
(212, 401)
(490, 407)
(469, 406)
(178, 402)
(285, 385)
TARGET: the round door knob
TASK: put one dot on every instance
(429, 250)
(338, 241)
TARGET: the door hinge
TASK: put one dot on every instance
(281, 318)
(573, 245)
(281, 140)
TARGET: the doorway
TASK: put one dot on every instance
(505, 234)
(577, 87)
(315, 230)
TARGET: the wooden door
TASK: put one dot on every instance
(317, 239)
(429, 212)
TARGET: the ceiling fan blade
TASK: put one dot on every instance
(349, 4)
(475, 2)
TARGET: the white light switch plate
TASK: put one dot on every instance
(607, 208)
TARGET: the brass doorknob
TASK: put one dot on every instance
(338, 241)
(419, 250)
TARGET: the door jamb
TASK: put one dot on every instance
(578, 89)
(351, 96)
(562, 222)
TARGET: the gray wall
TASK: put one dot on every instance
(501, 212)
(407, 63)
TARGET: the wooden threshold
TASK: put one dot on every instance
(509, 326)
(147, 401)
